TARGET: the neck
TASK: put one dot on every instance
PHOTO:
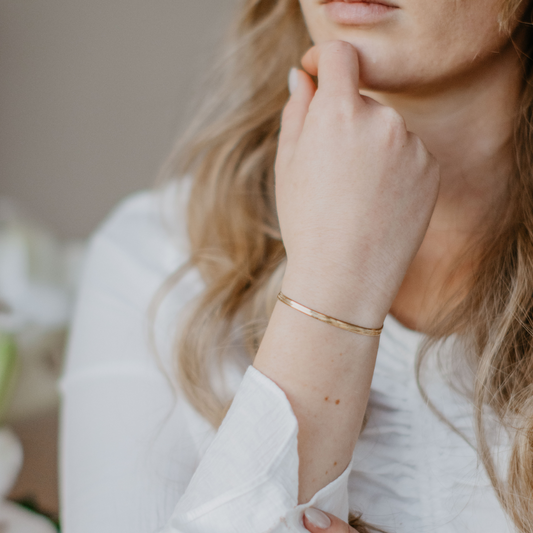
(468, 127)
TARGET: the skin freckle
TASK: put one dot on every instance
(326, 398)
(337, 402)
(335, 463)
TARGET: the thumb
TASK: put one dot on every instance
(317, 521)
(292, 121)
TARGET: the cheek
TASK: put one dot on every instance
(460, 28)
(313, 20)
(457, 40)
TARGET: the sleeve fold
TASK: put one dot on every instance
(247, 481)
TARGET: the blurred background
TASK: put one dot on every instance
(92, 97)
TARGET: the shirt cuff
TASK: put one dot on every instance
(247, 481)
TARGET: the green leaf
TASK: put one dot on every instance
(8, 358)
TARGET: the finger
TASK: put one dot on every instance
(336, 64)
(293, 118)
(317, 521)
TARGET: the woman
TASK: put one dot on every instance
(404, 197)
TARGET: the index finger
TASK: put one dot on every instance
(336, 64)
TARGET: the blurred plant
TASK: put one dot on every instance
(8, 355)
(38, 278)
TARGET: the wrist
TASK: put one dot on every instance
(336, 293)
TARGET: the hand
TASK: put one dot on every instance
(316, 521)
(354, 189)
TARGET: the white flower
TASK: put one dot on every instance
(38, 278)
(36, 272)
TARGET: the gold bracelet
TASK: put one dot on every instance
(369, 332)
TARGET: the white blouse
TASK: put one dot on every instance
(137, 458)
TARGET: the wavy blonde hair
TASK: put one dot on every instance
(236, 244)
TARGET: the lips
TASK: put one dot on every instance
(361, 13)
(379, 2)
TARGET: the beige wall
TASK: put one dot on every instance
(92, 94)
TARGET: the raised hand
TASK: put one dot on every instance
(354, 189)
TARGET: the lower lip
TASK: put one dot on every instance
(357, 13)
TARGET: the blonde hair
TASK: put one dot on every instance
(236, 245)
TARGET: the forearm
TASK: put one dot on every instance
(354, 195)
(326, 374)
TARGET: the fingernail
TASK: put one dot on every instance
(317, 518)
(293, 79)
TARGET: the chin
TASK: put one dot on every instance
(401, 70)
(383, 65)
(382, 70)
(374, 77)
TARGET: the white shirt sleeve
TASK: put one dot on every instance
(247, 481)
(135, 457)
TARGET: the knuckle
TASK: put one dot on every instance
(419, 147)
(422, 152)
(392, 127)
(392, 119)
(428, 164)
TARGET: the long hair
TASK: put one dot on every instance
(236, 244)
